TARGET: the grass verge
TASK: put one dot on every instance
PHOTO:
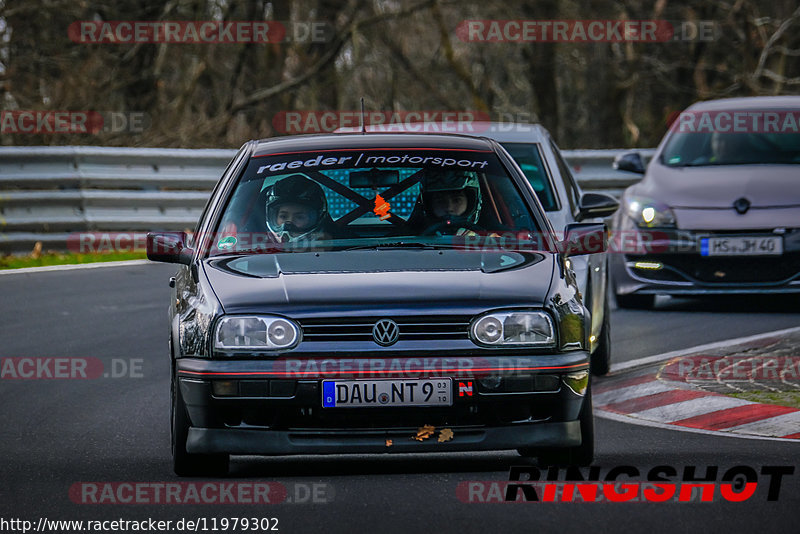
(782, 398)
(57, 258)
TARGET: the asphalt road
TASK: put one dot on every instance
(59, 433)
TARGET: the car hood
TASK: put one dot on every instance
(307, 283)
(715, 187)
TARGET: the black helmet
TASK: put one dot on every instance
(440, 181)
(295, 189)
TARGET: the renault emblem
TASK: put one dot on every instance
(741, 205)
(385, 332)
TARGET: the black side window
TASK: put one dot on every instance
(573, 194)
(529, 159)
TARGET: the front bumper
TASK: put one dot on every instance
(270, 413)
(365, 441)
(682, 270)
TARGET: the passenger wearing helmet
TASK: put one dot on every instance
(297, 210)
(451, 201)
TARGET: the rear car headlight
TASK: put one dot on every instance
(648, 213)
(255, 332)
(528, 328)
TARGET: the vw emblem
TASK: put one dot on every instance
(385, 332)
(741, 205)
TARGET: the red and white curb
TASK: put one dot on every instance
(651, 399)
(658, 401)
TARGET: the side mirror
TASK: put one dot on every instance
(584, 238)
(596, 205)
(169, 247)
(629, 161)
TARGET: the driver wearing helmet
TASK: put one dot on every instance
(451, 201)
(297, 210)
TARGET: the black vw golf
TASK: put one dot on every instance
(376, 293)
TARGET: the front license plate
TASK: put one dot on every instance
(380, 393)
(741, 246)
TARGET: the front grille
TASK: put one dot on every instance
(412, 328)
(722, 270)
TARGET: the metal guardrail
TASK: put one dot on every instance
(48, 194)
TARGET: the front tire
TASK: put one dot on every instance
(636, 301)
(601, 357)
(580, 455)
(183, 463)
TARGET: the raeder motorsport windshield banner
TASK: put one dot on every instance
(322, 160)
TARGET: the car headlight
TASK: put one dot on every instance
(529, 328)
(253, 332)
(648, 213)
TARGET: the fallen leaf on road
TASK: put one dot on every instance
(425, 432)
(445, 435)
(388, 443)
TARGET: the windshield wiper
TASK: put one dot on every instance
(247, 252)
(401, 245)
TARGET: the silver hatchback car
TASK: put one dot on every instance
(538, 156)
(718, 209)
(536, 153)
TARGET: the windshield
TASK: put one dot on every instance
(694, 149)
(374, 198)
(529, 159)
